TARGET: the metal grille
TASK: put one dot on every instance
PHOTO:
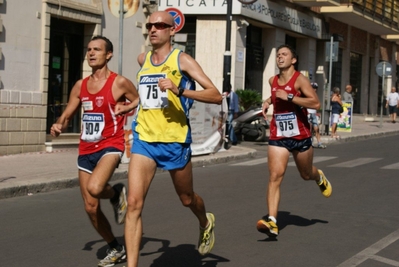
(385, 10)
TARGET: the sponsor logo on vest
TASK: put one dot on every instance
(285, 117)
(92, 117)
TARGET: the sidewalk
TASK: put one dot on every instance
(32, 173)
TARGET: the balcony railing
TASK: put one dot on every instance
(385, 10)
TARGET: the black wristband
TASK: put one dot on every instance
(180, 92)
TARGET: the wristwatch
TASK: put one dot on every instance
(181, 90)
(290, 97)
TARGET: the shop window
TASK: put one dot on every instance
(355, 78)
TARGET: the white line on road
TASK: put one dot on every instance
(251, 162)
(315, 160)
(392, 166)
(355, 162)
(370, 252)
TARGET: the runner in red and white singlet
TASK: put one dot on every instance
(289, 133)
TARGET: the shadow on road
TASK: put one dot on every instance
(285, 218)
(180, 256)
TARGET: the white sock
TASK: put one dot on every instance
(320, 180)
(204, 228)
(273, 219)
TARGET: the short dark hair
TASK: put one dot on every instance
(109, 47)
(293, 52)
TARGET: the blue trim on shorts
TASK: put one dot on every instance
(292, 144)
(88, 162)
(167, 156)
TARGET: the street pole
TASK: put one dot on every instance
(121, 15)
(382, 92)
(227, 70)
(227, 53)
(327, 126)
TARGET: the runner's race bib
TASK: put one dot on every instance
(92, 127)
(287, 124)
(151, 97)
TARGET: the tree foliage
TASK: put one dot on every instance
(248, 98)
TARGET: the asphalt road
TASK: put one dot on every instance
(356, 226)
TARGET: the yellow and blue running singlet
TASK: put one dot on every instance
(162, 116)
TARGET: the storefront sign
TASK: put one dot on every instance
(199, 7)
(284, 17)
(262, 10)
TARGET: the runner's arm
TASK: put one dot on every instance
(71, 108)
(210, 94)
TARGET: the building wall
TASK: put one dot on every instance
(24, 63)
(22, 115)
(210, 47)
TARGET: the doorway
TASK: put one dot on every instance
(254, 59)
(65, 68)
(356, 79)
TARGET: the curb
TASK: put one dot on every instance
(121, 173)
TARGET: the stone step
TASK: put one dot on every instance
(65, 140)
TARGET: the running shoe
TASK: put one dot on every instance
(325, 186)
(207, 236)
(120, 207)
(267, 227)
(319, 145)
(113, 256)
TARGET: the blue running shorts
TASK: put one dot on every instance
(167, 156)
(88, 162)
(292, 144)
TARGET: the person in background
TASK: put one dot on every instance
(314, 124)
(336, 104)
(347, 95)
(102, 96)
(291, 94)
(392, 104)
(161, 131)
(233, 107)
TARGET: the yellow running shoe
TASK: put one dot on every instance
(325, 186)
(267, 227)
(207, 236)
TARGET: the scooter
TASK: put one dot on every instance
(251, 125)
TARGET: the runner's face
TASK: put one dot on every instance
(160, 35)
(284, 58)
(96, 53)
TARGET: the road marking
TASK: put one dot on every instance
(355, 162)
(315, 160)
(251, 162)
(345, 164)
(370, 252)
(392, 166)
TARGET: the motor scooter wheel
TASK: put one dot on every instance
(256, 133)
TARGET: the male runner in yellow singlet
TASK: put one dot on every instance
(161, 131)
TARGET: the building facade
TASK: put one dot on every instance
(43, 45)
(367, 33)
(43, 57)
